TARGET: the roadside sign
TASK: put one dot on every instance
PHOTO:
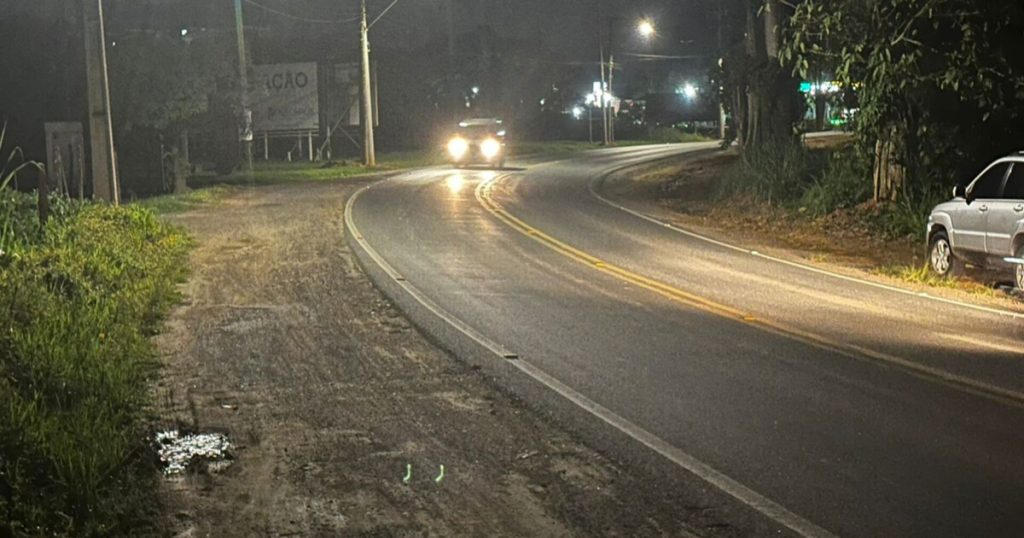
(286, 98)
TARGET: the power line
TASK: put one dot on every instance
(382, 13)
(299, 18)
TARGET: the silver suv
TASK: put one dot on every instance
(983, 224)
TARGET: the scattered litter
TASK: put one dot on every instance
(177, 451)
(528, 454)
(229, 407)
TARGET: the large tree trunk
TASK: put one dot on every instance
(889, 174)
(769, 103)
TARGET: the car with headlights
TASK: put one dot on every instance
(983, 225)
(478, 141)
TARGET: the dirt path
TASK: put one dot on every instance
(327, 394)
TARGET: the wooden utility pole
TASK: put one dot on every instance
(370, 154)
(101, 127)
(245, 131)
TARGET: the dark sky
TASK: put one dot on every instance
(572, 27)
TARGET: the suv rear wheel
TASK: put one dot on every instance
(1018, 271)
(944, 263)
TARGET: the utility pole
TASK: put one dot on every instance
(450, 74)
(611, 95)
(604, 100)
(245, 133)
(370, 154)
(611, 78)
(101, 126)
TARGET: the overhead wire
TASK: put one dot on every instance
(382, 13)
(300, 18)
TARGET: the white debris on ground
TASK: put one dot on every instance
(178, 451)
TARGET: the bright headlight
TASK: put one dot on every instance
(490, 148)
(458, 147)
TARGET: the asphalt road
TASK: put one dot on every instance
(835, 406)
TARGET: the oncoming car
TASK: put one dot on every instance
(983, 224)
(478, 141)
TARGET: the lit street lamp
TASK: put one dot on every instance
(646, 29)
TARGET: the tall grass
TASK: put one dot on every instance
(79, 297)
(776, 173)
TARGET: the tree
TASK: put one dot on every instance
(160, 84)
(760, 93)
(929, 76)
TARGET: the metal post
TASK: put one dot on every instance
(310, 139)
(369, 152)
(243, 77)
(266, 145)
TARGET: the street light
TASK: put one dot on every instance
(646, 29)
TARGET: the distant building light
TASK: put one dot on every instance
(688, 91)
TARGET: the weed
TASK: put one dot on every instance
(78, 303)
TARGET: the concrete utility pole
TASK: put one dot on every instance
(604, 101)
(611, 79)
(245, 133)
(370, 153)
(105, 185)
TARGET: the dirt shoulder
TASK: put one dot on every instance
(682, 192)
(327, 394)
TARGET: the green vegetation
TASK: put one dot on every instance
(177, 203)
(272, 173)
(818, 182)
(922, 275)
(937, 83)
(79, 297)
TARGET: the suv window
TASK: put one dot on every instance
(1015, 185)
(988, 185)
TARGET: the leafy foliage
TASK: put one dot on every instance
(930, 75)
(77, 304)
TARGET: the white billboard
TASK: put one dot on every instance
(286, 98)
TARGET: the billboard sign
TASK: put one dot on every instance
(286, 98)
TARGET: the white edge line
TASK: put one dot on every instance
(922, 295)
(747, 496)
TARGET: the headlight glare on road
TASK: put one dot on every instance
(490, 148)
(458, 147)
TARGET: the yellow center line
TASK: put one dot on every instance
(484, 194)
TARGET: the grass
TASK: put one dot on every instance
(177, 203)
(212, 188)
(923, 276)
(273, 173)
(79, 298)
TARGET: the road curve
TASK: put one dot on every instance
(856, 410)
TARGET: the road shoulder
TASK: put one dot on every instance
(680, 192)
(331, 398)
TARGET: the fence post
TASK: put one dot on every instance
(44, 197)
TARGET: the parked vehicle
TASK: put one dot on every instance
(983, 224)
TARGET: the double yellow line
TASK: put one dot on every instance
(484, 194)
